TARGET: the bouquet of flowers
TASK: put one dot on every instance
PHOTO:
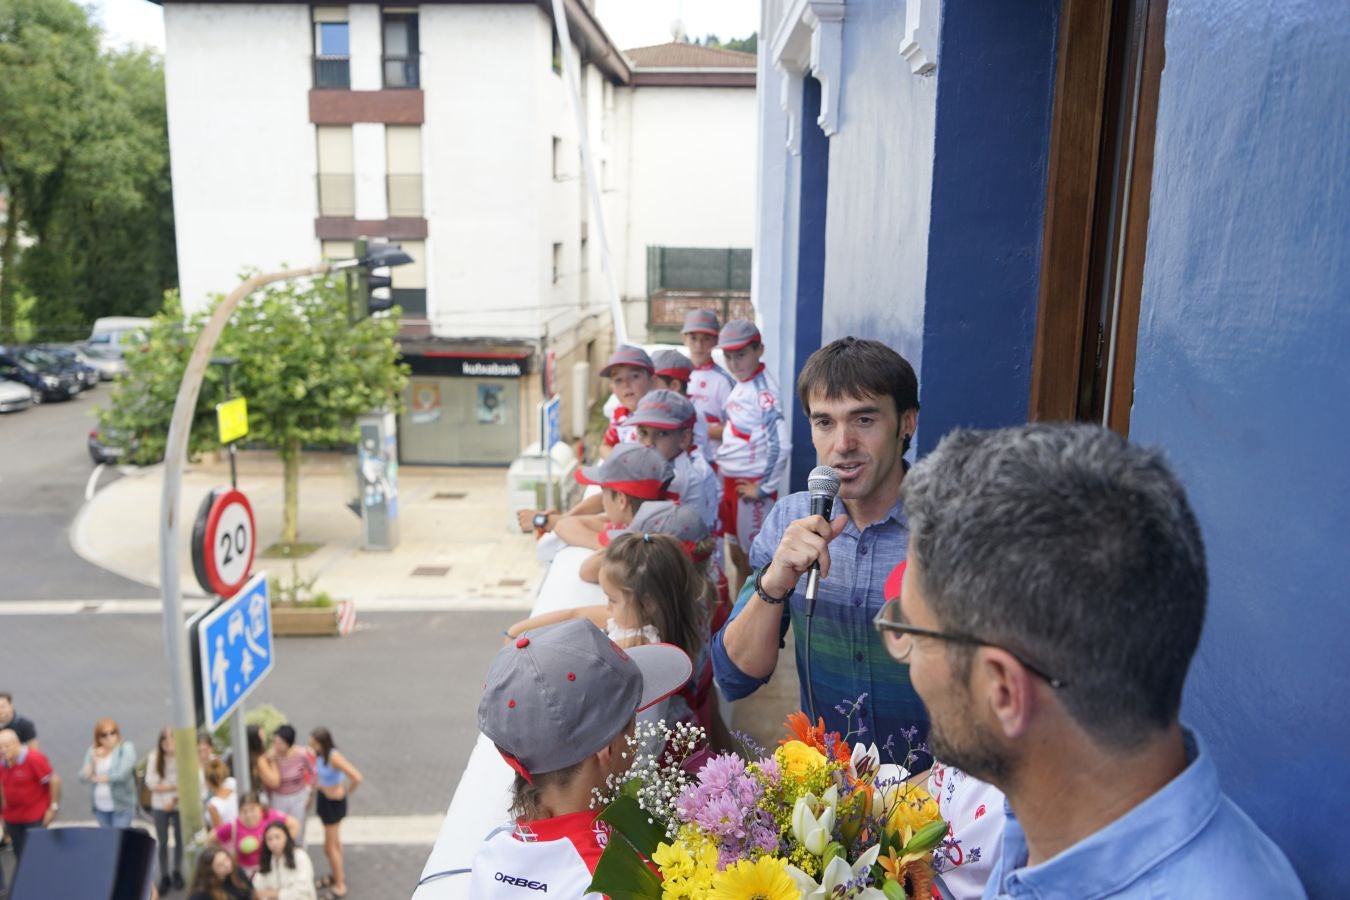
(815, 818)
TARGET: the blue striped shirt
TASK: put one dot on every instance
(847, 656)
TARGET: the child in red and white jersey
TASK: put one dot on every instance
(708, 384)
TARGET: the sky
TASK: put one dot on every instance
(631, 23)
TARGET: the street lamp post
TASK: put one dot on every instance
(175, 456)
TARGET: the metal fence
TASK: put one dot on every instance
(683, 279)
(332, 72)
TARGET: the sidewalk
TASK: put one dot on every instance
(450, 519)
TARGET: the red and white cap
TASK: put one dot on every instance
(663, 409)
(736, 334)
(631, 469)
(627, 355)
(700, 321)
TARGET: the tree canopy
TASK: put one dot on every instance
(84, 167)
(305, 370)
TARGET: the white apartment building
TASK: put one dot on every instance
(297, 128)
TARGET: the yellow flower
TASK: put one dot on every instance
(914, 808)
(687, 865)
(799, 761)
(764, 879)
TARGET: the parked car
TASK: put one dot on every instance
(51, 364)
(107, 445)
(15, 396)
(46, 380)
(109, 363)
(117, 333)
(69, 358)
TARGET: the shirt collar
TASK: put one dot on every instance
(23, 754)
(1105, 862)
(895, 514)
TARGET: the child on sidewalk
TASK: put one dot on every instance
(559, 704)
(665, 421)
(755, 446)
(709, 384)
(629, 371)
(632, 476)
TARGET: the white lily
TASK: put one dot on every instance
(864, 762)
(890, 779)
(837, 873)
(813, 831)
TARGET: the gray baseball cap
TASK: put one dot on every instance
(631, 469)
(627, 355)
(558, 694)
(700, 321)
(736, 334)
(672, 364)
(663, 409)
(663, 517)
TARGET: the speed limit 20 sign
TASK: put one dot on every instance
(222, 542)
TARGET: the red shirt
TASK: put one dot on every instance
(27, 787)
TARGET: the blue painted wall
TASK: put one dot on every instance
(1243, 376)
(995, 91)
(815, 182)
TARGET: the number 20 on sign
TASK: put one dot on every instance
(223, 542)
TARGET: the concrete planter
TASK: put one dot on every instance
(314, 621)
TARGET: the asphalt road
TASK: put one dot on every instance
(44, 470)
(400, 693)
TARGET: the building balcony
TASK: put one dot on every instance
(337, 195)
(405, 195)
(402, 72)
(332, 72)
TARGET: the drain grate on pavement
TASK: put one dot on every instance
(449, 495)
(430, 571)
(511, 582)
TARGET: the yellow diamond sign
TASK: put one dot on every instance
(232, 417)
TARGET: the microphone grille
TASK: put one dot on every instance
(823, 480)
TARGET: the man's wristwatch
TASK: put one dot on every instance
(765, 595)
(54, 807)
(541, 520)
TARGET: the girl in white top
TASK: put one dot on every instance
(284, 870)
(222, 804)
(654, 594)
(161, 777)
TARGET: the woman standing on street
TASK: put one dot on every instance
(285, 872)
(218, 878)
(337, 779)
(161, 777)
(262, 768)
(110, 766)
(296, 770)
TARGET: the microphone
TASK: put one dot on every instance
(823, 483)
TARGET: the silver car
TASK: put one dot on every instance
(14, 396)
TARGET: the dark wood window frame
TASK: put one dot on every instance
(1110, 60)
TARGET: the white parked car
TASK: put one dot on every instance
(14, 396)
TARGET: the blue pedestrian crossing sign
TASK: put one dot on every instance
(234, 643)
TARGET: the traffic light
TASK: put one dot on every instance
(373, 292)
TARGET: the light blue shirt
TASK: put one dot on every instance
(1187, 841)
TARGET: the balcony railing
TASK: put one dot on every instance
(332, 72)
(401, 72)
(404, 194)
(337, 195)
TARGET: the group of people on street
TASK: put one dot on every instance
(256, 841)
(1021, 606)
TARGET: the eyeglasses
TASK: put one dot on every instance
(899, 640)
(104, 734)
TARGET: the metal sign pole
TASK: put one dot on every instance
(176, 648)
(243, 765)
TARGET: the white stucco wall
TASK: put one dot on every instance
(243, 150)
(691, 174)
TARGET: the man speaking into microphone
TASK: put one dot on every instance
(862, 400)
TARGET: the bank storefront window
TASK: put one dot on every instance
(463, 411)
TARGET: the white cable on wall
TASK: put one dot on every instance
(571, 76)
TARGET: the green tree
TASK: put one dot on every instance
(744, 45)
(306, 372)
(84, 162)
